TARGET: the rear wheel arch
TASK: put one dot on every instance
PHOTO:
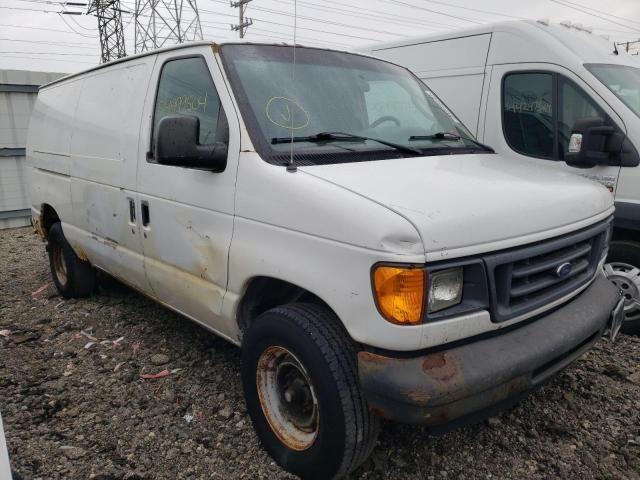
(47, 218)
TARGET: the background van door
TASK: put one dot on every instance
(531, 110)
(187, 213)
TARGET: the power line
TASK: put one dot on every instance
(38, 28)
(50, 53)
(486, 12)
(29, 9)
(404, 18)
(22, 57)
(46, 42)
(319, 20)
(602, 12)
(74, 30)
(317, 31)
(305, 39)
(594, 15)
(398, 2)
(291, 26)
(395, 19)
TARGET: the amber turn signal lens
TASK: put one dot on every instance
(399, 293)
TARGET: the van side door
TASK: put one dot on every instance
(104, 157)
(531, 112)
(186, 214)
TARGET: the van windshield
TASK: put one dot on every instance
(622, 80)
(338, 107)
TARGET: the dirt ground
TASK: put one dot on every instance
(75, 403)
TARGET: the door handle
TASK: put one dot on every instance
(144, 208)
(132, 211)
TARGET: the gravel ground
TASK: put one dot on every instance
(75, 404)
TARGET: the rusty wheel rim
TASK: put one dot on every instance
(287, 398)
(59, 267)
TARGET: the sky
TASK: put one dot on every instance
(37, 35)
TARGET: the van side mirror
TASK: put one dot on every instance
(177, 145)
(592, 143)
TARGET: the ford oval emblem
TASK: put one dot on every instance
(564, 270)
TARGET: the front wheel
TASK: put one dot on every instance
(300, 381)
(623, 269)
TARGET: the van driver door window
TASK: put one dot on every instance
(185, 88)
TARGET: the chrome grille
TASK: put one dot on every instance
(524, 279)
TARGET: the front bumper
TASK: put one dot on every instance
(477, 378)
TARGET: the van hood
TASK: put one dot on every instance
(474, 202)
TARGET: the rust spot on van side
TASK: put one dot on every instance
(372, 362)
(80, 253)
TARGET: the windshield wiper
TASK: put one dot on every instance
(450, 136)
(324, 137)
(437, 136)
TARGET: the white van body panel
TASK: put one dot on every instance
(48, 145)
(546, 204)
(322, 228)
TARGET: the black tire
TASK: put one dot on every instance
(627, 252)
(346, 429)
(72, 276)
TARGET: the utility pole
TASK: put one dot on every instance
(165, 22)
(110, 28)
(243, 24)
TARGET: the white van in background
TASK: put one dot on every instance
(524, 88)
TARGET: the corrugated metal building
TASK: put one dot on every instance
(18, 90)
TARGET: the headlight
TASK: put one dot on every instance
(445, 289)
(399, 293)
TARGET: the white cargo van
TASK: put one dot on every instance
(524, 88)
(323, 216)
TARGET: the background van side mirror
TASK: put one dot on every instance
(177, 144)
(592, 143)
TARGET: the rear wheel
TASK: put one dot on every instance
(300, 380)
(72, 276)
(623, 269)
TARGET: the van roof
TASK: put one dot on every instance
(170, 48)
(564, 42)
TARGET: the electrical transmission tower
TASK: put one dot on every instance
(243, 23)
(110, 28)
(160, 22)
